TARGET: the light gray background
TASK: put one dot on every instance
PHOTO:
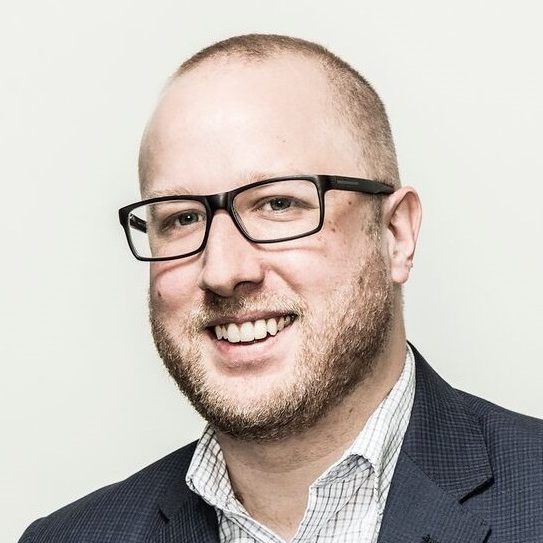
(85, 400)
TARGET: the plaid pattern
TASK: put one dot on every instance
(346, 502)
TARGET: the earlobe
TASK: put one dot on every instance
(403, 217)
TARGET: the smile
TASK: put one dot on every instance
(252, 330)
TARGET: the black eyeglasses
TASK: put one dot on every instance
(268, 211)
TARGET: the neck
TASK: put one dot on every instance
(272, 479)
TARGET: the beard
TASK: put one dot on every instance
(334, 357)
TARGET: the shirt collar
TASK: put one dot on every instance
(380, 440)
(207, 475)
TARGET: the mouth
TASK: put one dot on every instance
(250, 331)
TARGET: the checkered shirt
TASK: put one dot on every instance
(345, 503)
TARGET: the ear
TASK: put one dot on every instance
(402, 215)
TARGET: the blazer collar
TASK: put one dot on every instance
(188, 518)
(194, 522)
(443, 461)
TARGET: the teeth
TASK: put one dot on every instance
(249, 331)
(233, 333)
(260, 329)
(271, 326)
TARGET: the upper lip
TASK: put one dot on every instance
(247, 317)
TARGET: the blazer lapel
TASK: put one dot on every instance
(184, 516)
(442, 463)
(194, 522)
(418, 511)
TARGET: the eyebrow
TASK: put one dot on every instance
(250, 176)
(177, 190)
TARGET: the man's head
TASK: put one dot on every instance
(253, 108)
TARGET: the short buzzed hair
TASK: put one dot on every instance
(356, 102)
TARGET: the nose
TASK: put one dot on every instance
(230, 262)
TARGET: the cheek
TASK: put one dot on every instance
(340, 239)
(171, 287)
(321, 263)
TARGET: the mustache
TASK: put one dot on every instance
(215, 307)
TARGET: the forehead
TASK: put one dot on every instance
(221, 122)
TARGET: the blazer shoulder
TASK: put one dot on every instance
(510, 436)
(123, 511)
(489, 413)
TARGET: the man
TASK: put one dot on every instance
(279, 237)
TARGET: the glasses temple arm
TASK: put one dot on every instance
(137, 223)
(359, 185)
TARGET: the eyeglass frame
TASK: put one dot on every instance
(224, 200)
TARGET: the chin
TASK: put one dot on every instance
(250, 391)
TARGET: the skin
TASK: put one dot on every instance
(225, 124)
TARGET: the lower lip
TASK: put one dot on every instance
(251, 355)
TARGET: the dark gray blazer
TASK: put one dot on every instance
(468, 472)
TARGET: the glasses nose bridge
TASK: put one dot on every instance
(223, 200)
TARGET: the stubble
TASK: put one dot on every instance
(333, 358)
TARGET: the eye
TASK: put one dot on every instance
(188, 217)
(279, 203)
(182, 219)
